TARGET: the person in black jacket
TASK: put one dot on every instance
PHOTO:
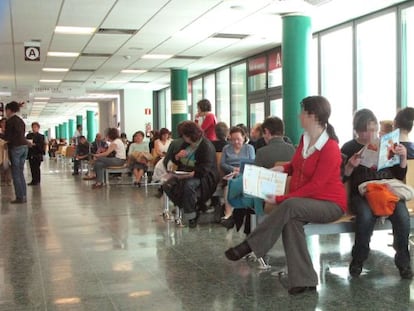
(198, 157)
(36, 151)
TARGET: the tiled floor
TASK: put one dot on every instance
(73, 248)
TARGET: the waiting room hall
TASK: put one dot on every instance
(73, 248)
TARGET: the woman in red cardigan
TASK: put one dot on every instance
(206, 119)
(316, 194)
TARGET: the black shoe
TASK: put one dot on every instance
(75, 173)
(192, 223)
(238, 252)
(32, 183)
(228, 222)
(301, 289)
(18, 201)
(137, 184)
(355, 268)
(406, 273)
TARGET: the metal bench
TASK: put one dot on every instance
(116, 170)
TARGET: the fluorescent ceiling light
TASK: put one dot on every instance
(39, 104)
(75, 30)
(133, 71)
(41, 98)
(157, 56)
(49, 81)
(56, 69)
(63, 54)
(5, 93)
(117, 81)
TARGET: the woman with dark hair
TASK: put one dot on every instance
(36, 152)
(138, 156)
(161, 144)
(365, 125)
(206, 119)
(18, 149)
(115, 155)
(404, 121)
(198, 158)
(316, 194)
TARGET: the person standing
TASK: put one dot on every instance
(14, 135)
(206, 119)
(36, 151)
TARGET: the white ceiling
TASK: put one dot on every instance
(182, 28)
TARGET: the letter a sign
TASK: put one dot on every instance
(32, 51)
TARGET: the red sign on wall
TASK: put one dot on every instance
(147, 111)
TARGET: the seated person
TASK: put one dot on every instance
(404, 121)
(138, 156)
(99, 144)
(256, 137)
(82, 153)
(275, 150)
(198, 157)
(222, 134)
(161, 144)
(316, 194)
(115, 155)
(231, 158)
(365, 126)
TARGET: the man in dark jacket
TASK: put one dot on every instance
(36, 143)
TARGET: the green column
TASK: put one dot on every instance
(179, 90)
(65, 130)
(72, 127)
(57, 132)
(46, 134)
(90, 125)
(61, 131)
(79, 120)
(296, 46)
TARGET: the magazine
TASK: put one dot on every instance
(381, 154)
(259, 181)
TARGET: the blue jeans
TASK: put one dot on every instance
(18, 157)
(102, 163)
(365, 222)
(191, 192)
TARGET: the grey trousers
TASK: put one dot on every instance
(288, 220)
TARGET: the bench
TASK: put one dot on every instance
(346, 223)
(116, 170)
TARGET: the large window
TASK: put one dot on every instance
(376, 65)
(336, 79)
(407, 57)
(196, 96)
(238, 94)
(257, 73)
(209, 90)
(223, 95)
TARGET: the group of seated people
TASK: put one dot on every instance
(317, 167)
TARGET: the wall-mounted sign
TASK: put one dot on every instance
(147, 111)
(32, 51)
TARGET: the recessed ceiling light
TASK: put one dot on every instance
(157, 56)
(49, 81)
(133, 71)
(63, 54)
(75, 30)
(56, 69)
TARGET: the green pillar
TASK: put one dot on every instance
(90, 125)
(79, 120)
(65, 130)
(296, 47)
(179, 90)
(72, 127)
(57, 132)
(46, 134)
(61, 131)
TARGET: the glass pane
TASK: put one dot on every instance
(223, 96)
(210, 90)
(162, 115)
(238, 94)
(336, 79)
(376, 66)
(256, 113)
(314, 67)
(275, 68)
(257, 73)
(168, 123)
(276, 108)
(196, 96)
(408, 56)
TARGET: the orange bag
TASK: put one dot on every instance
(381, 200)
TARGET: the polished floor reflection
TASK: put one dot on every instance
(74, 248)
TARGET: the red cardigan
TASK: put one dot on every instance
(317, 177)
(208, 126)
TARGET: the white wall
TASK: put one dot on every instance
(133, 105)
